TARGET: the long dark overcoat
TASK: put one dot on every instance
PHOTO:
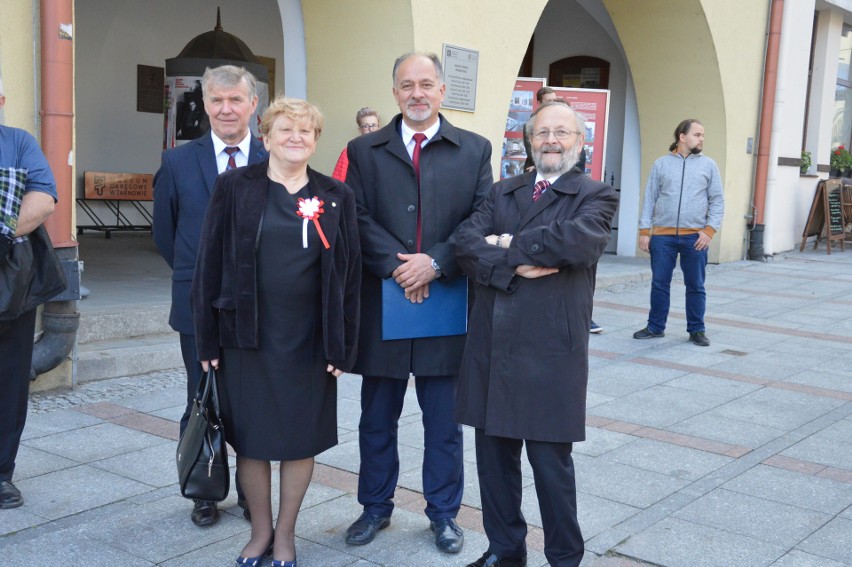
(525, 365)
(455, 176)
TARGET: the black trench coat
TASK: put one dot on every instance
(525, 365)
(455, 176)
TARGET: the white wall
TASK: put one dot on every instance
(783, 218)
(113, 36)
(569, 28)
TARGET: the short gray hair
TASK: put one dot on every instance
(228, 76)
(439, 69)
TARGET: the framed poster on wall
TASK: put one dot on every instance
(521, 105)
(593, 106)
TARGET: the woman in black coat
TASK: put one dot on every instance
(275, 302)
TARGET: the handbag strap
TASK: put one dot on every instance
(214, 392)
(202, 391)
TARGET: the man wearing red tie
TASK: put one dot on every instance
(531, 250)
(415, 181)
(182, 188)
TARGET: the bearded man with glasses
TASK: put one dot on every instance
(531, 250)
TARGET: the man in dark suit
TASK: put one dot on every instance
(532, 250)
(182, 188)
(407, 224)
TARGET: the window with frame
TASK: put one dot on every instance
(841, 133)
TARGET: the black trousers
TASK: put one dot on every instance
(16, 358)
(498, 464)
(193, 377)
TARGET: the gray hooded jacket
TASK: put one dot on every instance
(683, 193)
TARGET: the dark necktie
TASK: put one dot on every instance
(419, 138)
(540, 188)
(232, 163)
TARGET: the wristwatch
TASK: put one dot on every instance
(437, 268)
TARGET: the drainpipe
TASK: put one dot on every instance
(59, 319)
(767, 110)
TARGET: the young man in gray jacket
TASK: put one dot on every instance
(683, 210)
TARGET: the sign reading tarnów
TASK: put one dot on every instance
(119, 186)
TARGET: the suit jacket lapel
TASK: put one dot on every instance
(206, 160)
(390, 137)
(568, 183)
(256, 151)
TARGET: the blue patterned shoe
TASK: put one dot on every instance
(276, 563)
(254, 561)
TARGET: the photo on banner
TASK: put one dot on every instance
(521, 105)
(593, 106)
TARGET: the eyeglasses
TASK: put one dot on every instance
(369, 127)
(543, 135)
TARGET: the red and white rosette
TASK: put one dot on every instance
(310, 210)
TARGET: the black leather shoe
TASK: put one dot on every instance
(491, 560)
(205, 513)
(244, 505)
(449, 537)
(647, 334)
(364, 529)
(699, 338)
(10, 496)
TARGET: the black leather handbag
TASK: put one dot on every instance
(202, 458)
(30, 274)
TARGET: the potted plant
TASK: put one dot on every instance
(841, 161)
(805, 162)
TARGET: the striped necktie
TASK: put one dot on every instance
(232, 163)
(540, 188)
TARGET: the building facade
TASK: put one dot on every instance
(666, 60)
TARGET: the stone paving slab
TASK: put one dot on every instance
(69, 548)
(41, 425)
(622, 483)
(834, 540)
(711, 425)
(736, 454)
(677, 462)
(794, 488)
(659, 406)
(157, 531)
(144, 465)
(798, 558)
(678, 543)
(95, 443)
(32, 463)
(86, 488)
(771, 522)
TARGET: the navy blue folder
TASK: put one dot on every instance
(442, 314)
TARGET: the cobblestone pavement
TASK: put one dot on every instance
(739, 454)
(105, 390)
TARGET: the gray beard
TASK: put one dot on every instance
(418, 115)
(566, 164)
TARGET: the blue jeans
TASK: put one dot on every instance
(664, 253)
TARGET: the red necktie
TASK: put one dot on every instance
(419, 138)
(232, 163)
(540, 188)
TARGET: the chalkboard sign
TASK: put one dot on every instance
(826, 206)
(835, 211)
